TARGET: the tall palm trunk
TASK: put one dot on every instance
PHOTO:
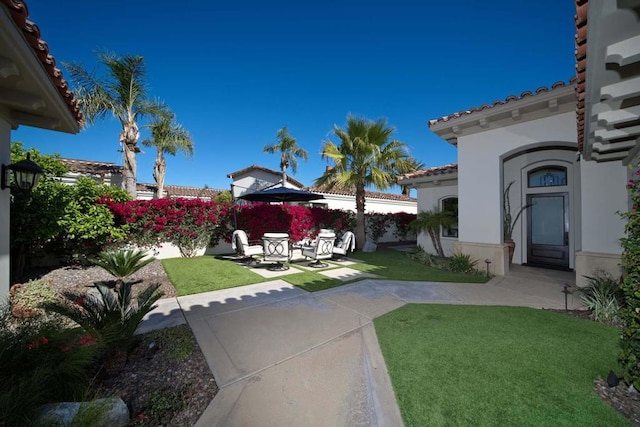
(159, 172)
(284, 164)
(360, 223)
(129, 140)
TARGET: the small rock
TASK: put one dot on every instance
(113, 412)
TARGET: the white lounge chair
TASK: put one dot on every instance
(344, 245)
(322, 248)
(276, 250)
(240, 244)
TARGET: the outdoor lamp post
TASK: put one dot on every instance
(25, 174)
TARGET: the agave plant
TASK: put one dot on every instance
(122, 264)
(110, 317)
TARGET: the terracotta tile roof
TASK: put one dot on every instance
(20, 14)
(369, 194)
(91, 167)
(496, 103)
(263, 169)
(175, 191)
(438, 170)
(582, 8)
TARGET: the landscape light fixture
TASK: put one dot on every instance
(488, 262)
(25, 174)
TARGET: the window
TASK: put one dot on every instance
(451, 205)
(548, 177)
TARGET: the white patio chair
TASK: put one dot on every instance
(321, 249)
(240, 244)
(344, 245)
(276, 250)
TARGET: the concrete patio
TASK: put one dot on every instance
(286, 357)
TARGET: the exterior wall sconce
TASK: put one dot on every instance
(25, 174)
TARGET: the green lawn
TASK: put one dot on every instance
(207, 273)
(489, 366)
(396, 265)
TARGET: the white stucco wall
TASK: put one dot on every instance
(256, 180)
(480, 171)
(603, 194)
(5, 159)
(429, 197)
(348, 203)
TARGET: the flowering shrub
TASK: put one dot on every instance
(630, 311)
(402, 221)
(187, 223)
(377, 225)
(298, 221)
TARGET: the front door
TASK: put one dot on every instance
(548, 230)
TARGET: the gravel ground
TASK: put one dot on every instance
(72, 278)
(159, 388)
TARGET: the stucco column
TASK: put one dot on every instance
(604, 194)
(5, 159)
(480, 205)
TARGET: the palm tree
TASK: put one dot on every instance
(432, 221)
(365, 157)
(121, 92)
(168, 137)
(411, 164)
(289, 150)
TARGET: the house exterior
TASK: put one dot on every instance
(565, 148)
(256, 178)
(103, 172)
(34, 93)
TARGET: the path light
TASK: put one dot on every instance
(565, 291)
(612, 379)
(25, 174)
(488, 262)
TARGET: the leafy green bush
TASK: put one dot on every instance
(40, 362)
(26, 299)
(602, 296)
(462, 263)
(630, 311)
(425, 258)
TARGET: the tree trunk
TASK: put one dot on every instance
(129, 140)
(439, 243)
(283, 166)
(159, 173)
(433, 240)
(360, 223)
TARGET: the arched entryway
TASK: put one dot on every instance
(546, 181)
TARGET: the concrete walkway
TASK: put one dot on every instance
(285, 357)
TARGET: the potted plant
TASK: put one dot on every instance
(509, 222)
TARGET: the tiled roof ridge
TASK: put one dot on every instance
(91, 162)
(580, 18)
(264, 169)
(31, 32)
(371, 194)
(496, 103)
(432, 171)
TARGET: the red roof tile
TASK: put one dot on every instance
(20, 14)
(438, 170)
(175, 191)
(368, 194)
(91, 167)
(496, 103)
(263, 169)
(582, 9)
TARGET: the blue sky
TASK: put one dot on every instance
(235, 72)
